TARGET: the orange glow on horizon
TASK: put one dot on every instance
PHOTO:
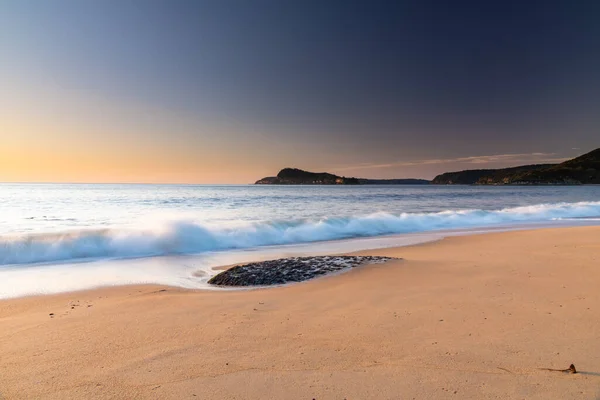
(56, 149)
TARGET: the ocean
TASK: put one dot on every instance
(64, 237)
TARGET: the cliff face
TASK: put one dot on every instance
(584, 169)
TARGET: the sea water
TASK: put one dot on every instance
(62, 237)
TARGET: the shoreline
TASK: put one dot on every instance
(473, 317)
(436, 237)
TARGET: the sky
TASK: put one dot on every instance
(229, 91)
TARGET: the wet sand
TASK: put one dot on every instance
(475, 317)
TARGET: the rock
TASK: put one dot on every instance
(285, 270)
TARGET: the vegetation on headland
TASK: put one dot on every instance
(479, 176)
(584, 169)
(295, 176)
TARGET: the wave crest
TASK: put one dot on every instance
(189, 237)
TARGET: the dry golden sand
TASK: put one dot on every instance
(465, 318)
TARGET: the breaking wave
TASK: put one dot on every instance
(190, 237)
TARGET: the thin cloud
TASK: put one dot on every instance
(534, 158)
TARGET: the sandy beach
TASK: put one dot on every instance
(475, 317)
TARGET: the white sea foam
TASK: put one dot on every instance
(193, 237)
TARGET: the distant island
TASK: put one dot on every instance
(295, 176)
(584, 169)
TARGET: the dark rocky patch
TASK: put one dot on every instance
(293, 269)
